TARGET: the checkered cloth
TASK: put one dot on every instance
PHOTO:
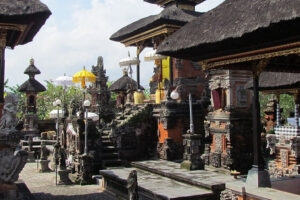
(287, 131)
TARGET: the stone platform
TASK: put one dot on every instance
(212, 180)
(151, 186)
(160, 179)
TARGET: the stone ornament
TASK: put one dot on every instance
(9, 113)
(12, 163)
(132, 186)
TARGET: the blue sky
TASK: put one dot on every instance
(77, 33)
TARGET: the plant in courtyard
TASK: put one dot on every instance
(45, 99)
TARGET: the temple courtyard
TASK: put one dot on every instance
(42, 186)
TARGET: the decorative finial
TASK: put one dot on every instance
(83, 67)
(31, 61)
(125, 71)
(128, 54)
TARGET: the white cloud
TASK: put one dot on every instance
(68, 41)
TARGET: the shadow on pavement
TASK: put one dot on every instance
(47, 196)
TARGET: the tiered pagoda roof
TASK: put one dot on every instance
(168, 21)
(123, 84)
(22, 19)
(164, 3)
(32, 85)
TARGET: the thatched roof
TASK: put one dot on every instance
(235, 26)
(170, 15)
(29, 12)
(123, 84)
(276, 81)
(193, 2)
(32, 69)
(32, 85)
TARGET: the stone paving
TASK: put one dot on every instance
(42, 186)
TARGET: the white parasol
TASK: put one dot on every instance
(152, 56)
(64, 81)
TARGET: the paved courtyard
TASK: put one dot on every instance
(42, 186)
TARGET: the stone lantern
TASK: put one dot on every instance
(31, 87)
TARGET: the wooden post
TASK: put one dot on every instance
(257, 157)
(171, 71)
(2, 64)
(138, 72)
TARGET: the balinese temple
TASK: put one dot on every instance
(100, 94)
(169, 73)
(232, 37)
(18, 26)
(31, 88)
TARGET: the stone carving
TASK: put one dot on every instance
(192, 152)
(215, 159)
(86, 165)
(12, 163)
(228, 195)
(12, 160)
(132, 186)
(284, 156)
(44, 151)
(218, 143)
(75, 106)
(168, 149)
(30, 144)
(271, 141)
(219, 82)
(9, 113)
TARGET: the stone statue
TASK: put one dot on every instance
(12, 159)
(9, 112)
(132, 186)
(44, 151)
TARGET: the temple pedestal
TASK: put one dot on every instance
(192, 152)
(258, 178)
(30, 157)
(44, 165)
(64, 177)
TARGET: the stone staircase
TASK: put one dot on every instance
(110, 149)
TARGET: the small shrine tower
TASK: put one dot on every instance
(31, 88)
(100, 93)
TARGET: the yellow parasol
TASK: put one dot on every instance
(84, 76)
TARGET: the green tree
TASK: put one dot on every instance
(286, 103)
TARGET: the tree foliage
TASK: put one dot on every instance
(286, 103)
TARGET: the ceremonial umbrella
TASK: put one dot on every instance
(84, 76)
(64, 81)
(131, 61)
(152, 56)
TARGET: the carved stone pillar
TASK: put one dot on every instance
(192, 152)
